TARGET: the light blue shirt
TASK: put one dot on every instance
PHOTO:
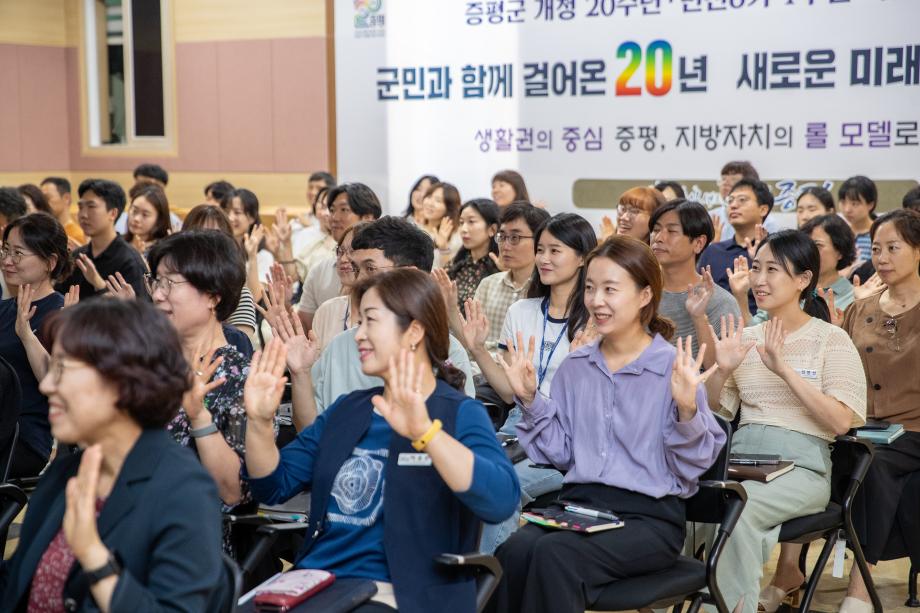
(338, 370)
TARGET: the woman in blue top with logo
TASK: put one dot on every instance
(553, 314)
(397, 474)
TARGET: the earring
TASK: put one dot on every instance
(413, 347)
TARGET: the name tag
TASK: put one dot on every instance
(413, 459)
(806, 373)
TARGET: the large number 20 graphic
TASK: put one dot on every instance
(657, 51)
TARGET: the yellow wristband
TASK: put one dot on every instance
(422, 442)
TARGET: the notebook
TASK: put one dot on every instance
(558, 518)
(881, 437)
(760, 472)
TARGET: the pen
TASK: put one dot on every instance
(590, 512)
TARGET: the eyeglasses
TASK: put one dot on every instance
(16, 256)
(632, 211)
(155, 283)
(891, 327)
(511, 239)
(56, 368)
(343, 251)
(368, 270)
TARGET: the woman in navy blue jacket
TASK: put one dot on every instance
(132, 522)
(431, 448)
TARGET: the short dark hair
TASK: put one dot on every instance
(34, 193)
(134, 347)
(842, 237)
(208, 259)
(674, 186)
(489, 211)
(154, 194)
(322, 175)
(761, 192)
(361, 199)
(515, 180)
(740, 167)
(533, 216)
(906, 222)
(402, 242)
(44, 235)
(153, 171)
(911, 199)
(12, 204)
(60, 183)
(250, 203)
(796, 253)
(221, 191)
(823, 196)
(110, 192)
(858, 187)
(694, 219)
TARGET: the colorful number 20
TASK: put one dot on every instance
(657, 51)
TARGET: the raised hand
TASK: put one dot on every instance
(730, 349)
(699, 294)
(771, 352)
(282, 226)
(24, 311)
(585, 336)
(72, 296)
(739, 278)
(686, 376)
(717, 225)
(836, 314)
(253, 241)
(265, 382)
(871, 287)
(275, 304)
(498, 262)
(278, 276)
(302, 351)
(79, 523)
(403, 405)
(519, 369)
(203, 368)
(751, 244)
(88, 268)
(119, 288)
(475, 326)
(445, 230)
(608, 227)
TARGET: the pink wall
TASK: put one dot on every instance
(243, 106)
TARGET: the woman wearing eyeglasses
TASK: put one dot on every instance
(634, 209)
(196, 281)
(337, 314)
(33, 256)
(886, 330)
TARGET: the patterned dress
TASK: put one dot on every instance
(468, 274)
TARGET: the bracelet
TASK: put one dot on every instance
(211, 428)
(422, 442)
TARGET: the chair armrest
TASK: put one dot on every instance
(11, 493)
(735, 499)
(267, 535)
(278, 528)
(486, 567)
(862, 450)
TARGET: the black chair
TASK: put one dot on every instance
(10, 405)
(485, 568)
(12, 501)
(718, 501)
(234, 582)
(851, 458)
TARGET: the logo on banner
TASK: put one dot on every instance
(369, 19)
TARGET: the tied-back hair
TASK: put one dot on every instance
(490, 213)
(575, 232)
(637, 259)
(797, 253)
(412, 295)
(153, 194)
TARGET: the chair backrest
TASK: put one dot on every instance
(707, 506)
(10, 406)
(849, 460)
(12, 501)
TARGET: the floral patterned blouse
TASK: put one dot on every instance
(468, 274)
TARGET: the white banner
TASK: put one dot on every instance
(637, 90)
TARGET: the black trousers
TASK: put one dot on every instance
(557, 571)
(875, 509)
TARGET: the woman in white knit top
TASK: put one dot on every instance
(798, 382)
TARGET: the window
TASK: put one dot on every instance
(128, 84)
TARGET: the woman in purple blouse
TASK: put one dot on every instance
(628, 422)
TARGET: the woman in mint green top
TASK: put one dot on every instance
(837, 247)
